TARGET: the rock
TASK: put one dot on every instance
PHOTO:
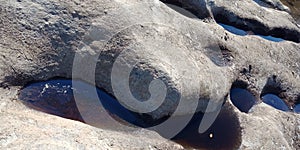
(197, 61)
(57, 51)
(294, 6)
(67, 33)
(198, 8)
(22, 127)
(249, 16)
(265, 119)
(274, 4)
(252, 17)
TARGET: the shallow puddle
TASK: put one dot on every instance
(57, 97)
(241, 32)
(263, 4)
(242, 99)
(224, 134)
(271, 38)
(275, 102)
(233, 29)
(54, 97)
(297, 109)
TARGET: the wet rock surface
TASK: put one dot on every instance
(56, 97)
(39, 40)
(275, 101)
(275, 4)
(23, 127)
(247, 15)
(225, 132)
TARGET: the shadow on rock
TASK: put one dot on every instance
(56, 97)
(224, 134)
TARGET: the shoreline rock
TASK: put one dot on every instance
(39, 41)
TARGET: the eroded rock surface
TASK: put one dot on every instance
(24, 128)
(294, 7)
(40, 39)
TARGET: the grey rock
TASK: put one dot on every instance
(247, 15)
(40, 39)
(277, 4)
(69, 30)
(24, 128)
(260, 21)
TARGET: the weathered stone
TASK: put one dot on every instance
(276, 4)
(247, 15)
(39, 40)
(24, 128)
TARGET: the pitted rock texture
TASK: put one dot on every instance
(276, 4)
(59, 33)
(24, 128)
(39, 40)
(247, 15)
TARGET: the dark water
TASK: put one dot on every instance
(297, 108)
(263, 4)
(224, 134)
(271, 38)
(233, 30)
(242, 99)
(181, 10)
(56, 97)
(241, 32)
(275, 102)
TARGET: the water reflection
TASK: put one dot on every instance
(224, 134)
(56, 97)
(242, 99)
(233, 30)
(275, 102)
(297, 108)
(271, 38)
(263, 4)
(241, 32)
